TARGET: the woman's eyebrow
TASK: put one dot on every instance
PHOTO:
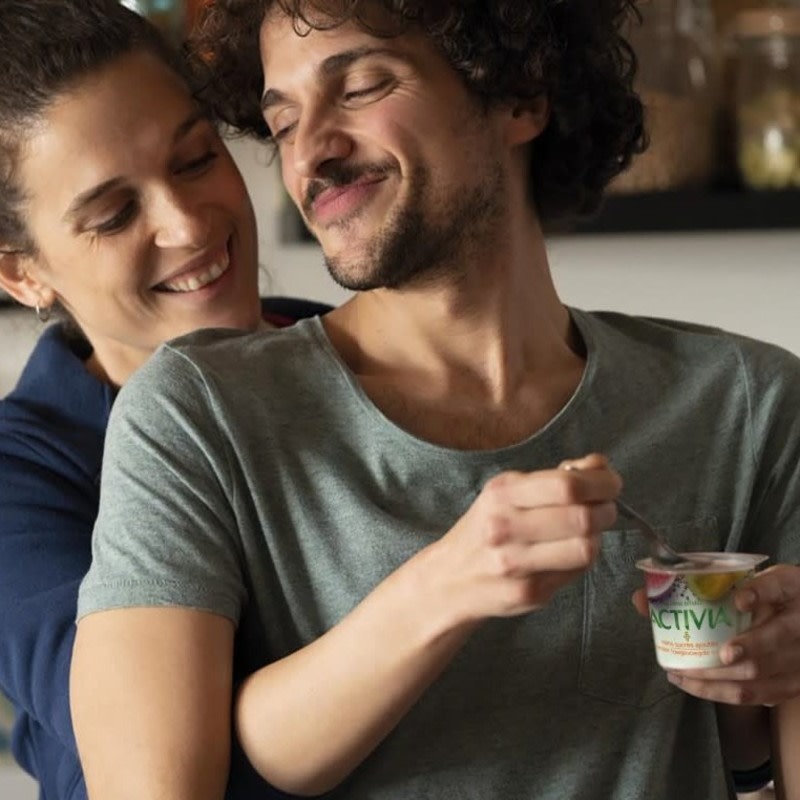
(90, 195)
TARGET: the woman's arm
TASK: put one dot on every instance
(151, 703)
(48, 503)
(37, 623)
(151, 675)
(786, 749)
(744, 736)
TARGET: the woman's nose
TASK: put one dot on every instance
(181, 221)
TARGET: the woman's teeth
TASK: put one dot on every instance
(198, 281)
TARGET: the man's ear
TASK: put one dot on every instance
(18, 278)
(528, 119)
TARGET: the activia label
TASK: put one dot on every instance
(693, 615)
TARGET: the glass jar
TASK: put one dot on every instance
(726, 11)
(676, 80)
(767, 98)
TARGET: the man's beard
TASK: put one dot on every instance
(422, 244)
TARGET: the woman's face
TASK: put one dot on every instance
(142, 225)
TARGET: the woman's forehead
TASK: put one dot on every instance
(111, 120)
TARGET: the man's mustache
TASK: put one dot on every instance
(338, 175)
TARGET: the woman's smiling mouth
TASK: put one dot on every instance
(192, 280)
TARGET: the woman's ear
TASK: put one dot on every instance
(528, 119)
(18, 278)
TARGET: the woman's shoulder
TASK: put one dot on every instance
(283, 311)
(57, 413)
(55, 356)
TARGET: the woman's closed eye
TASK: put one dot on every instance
(197, 166)
(118, 221)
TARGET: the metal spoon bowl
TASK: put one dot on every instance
(661, 552)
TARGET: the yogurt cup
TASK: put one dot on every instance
(691, 608)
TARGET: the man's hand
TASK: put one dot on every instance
(762, 665)
(527, 535)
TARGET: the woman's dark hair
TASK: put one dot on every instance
(572, 51)
(46, 47)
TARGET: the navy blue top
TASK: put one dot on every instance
(52, 430)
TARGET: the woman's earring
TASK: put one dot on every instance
(43, 313)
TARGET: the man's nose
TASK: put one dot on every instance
(318, 140)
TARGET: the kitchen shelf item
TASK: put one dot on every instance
(767, 97)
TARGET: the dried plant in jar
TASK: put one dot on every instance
(768, 98)
(681, 151)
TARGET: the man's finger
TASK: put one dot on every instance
(640, 603)
(777, 586)
(766, 692)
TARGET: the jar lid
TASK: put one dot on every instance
(768, 22)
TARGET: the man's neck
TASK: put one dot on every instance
(480, 361)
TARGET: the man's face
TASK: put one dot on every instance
(396, 168)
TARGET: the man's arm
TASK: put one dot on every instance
(526, 536)
(151, 703)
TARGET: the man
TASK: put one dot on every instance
(363, 522)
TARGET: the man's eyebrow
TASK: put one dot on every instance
(90, 195)
(188, 124)
(332, 65)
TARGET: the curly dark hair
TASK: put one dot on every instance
(46, 47)
(505, 50)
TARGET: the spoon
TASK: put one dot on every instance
(660, 551)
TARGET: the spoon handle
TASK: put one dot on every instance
(661, 550)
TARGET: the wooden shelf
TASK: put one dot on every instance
(696, 211)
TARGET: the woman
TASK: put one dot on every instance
(121, 208)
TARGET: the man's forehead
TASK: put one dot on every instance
(282, 41)
(368, 16)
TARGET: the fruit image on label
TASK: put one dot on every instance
(659, 584)
(714, 585)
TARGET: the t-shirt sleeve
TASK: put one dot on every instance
(772, 378)
(166, 534)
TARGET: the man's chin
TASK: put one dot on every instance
(353, 277)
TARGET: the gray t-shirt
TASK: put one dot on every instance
(249, 475)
